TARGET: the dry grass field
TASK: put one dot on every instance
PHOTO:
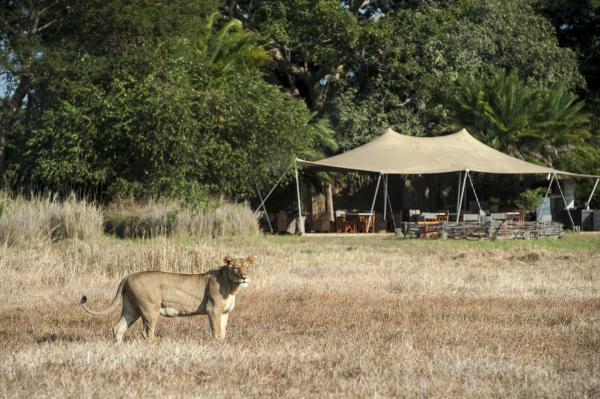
(323, 317)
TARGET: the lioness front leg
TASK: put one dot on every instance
(215, 319)
(224, 318)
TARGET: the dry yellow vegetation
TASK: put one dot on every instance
(325, 317)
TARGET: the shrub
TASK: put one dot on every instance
(530, 199)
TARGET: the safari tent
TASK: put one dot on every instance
(393, 153)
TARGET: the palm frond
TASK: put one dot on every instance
(230, 46)
(525, 121)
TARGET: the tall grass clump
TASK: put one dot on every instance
(46, 219)
(140, 220)
(222, 221)
(167, 218)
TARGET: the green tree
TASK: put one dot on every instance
(159, 98)
(311, 42)
(535, 123)
(42, 42)
(25, 37)
(230, 47)
(576, 24)
(406, 61)
(187, 111)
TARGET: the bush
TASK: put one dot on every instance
(47, 219)
(530, 199)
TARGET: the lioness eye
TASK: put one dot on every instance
(237, 271)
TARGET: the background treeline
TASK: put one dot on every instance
(182, 99)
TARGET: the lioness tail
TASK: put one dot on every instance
(110, 308)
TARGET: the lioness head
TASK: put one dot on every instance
(239, 269)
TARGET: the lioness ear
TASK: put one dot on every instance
(227, 260)
(250, 259)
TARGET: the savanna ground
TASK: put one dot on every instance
(334, 317)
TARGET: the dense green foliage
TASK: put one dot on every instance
(544, 124)
(183, 98)
(148, 112)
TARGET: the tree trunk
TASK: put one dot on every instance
(299, 79)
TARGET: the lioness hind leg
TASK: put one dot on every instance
(149, 326)
(150, 317)
(129, 315)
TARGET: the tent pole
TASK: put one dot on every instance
(391, 210)
(475, 193)
(548, 192)
(373, 204)
(385, 197)
(549, 187)
(262, 204)
(462, 193)
(458, 192)
(300, 224)
(564, 200)
(587, 204)
(272, 189)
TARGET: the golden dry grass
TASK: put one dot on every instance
(46, 219)
(325, 317)
(159, 218)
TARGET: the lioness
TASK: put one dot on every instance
(150, 294)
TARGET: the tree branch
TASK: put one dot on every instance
(358, 4)
(45, 9)
(37, 14)
(45, 26)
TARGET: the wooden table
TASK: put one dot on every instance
(355, 222)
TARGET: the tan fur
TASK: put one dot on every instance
(151, 294)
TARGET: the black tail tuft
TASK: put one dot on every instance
(83, 300)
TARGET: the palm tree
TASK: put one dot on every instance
(230, 46)
(538, 124)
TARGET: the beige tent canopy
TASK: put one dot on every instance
(394, 153)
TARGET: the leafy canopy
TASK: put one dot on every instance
(539, 124)
(159, 112)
